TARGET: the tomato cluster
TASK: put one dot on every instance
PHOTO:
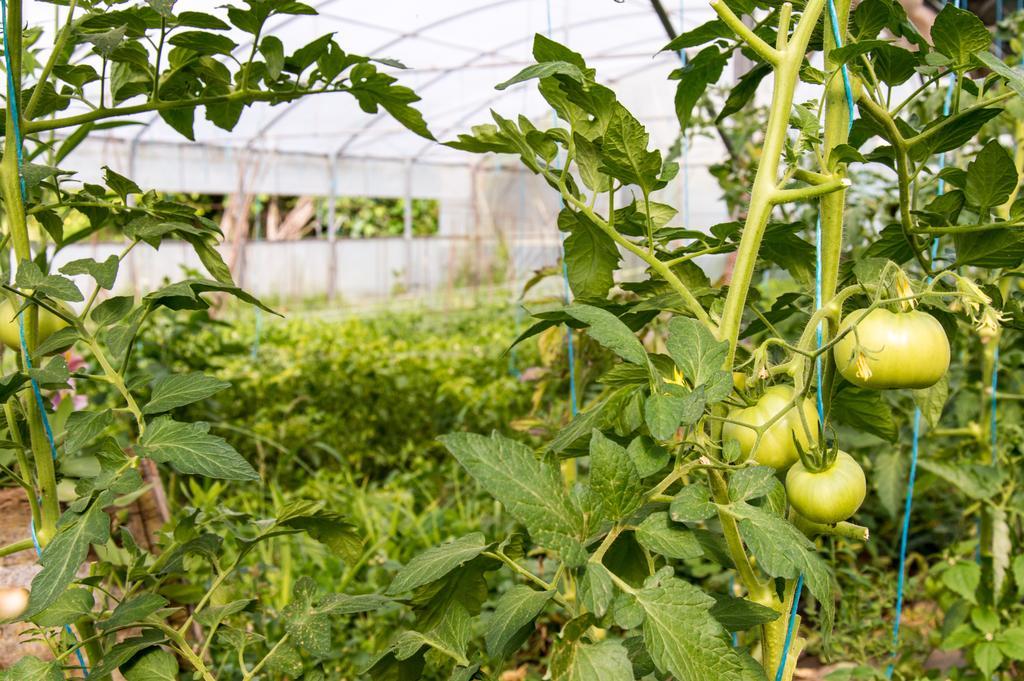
(878, 349)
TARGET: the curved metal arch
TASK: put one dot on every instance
(400, 37)
(246, 45)
(447, 72)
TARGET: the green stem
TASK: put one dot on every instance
(17, 547)
(259, 665)
(10, 188)
(185, 650)
(118, 382)
(159, 55)
(104, 112)
(833, 205)
(91, 643)
(759, 591)
(652, 261)
(58, 48)
(23, 464)
(787, 71)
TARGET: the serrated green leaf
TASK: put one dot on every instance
(783, 551)
(624, 153)
(887, 478)
(609, 331)
(578, 661)
(177, 390)
(614, 482)
(531, 490)
(154, 664)
(437, 562)
(700, 357)
(513, 617)
(104, 273)
(978, 482)
(69, 607)
(591, 258)
(132, 610)
(31, 668)
(647, 455)
(657, 533)
(683, 637)
(866, 410)
(991, 177)
(751, 483)
(30, 277)
(189, 448)
(665, 412)
(739, 614)
(959, 34)
(931, 401)
(692, 504)
(66, 551)
(84, 426)
(112, 310)
(596, 588)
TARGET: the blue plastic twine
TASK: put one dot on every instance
(567, 291)
(819, 332)
(12, 102)
(915, 441)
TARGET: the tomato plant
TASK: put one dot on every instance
(134, 610)
(648, 477)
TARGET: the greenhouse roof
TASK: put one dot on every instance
(455, 52)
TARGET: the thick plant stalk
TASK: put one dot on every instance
(837, 131)
(786, 61)
(10, 188)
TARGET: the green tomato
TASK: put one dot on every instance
(10, 329)
(776, 448)
(896, 349)
(828, 496)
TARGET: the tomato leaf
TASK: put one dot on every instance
(437, 562)
(683, 637)
(189, 448)
(531, 490)
(512, 621)
(615, 486)
(578, 661)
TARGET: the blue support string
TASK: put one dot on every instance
(915, 438)
(12, 102)
(833, 15)
(993, 439)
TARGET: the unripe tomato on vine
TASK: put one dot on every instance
(777, 447)
(13, 602)
(828, 495)
(10, 328)
(886, 350)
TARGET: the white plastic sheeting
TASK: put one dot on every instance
(455, 51)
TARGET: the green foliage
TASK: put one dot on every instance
(384, 388)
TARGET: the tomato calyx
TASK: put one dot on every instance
(820, 458)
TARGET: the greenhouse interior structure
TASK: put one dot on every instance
(512, 340)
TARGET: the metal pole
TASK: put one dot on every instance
(332, 226)
(407, 224)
